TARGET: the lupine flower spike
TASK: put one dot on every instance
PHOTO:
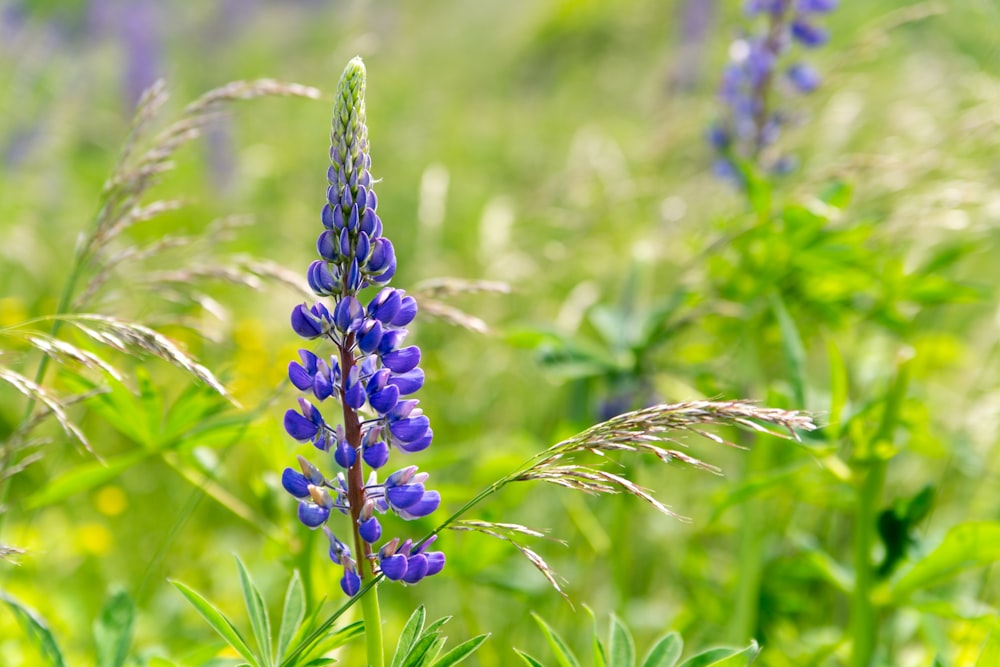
(370, 372)
(758, 62)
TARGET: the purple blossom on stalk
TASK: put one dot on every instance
(369, 372)
(758, 61)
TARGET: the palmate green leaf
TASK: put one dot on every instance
(219, 622)
(427, 647)
(257, 610)
(113, 630)
(621, 646)
(528, 660)
(304, 652)
(292, 615)
(724, 657)
(461, 652)
(965, 546)
(665, 652)
(564, 656)
(408, 637)
(36, 629)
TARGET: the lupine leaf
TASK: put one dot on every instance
(36, 629)
(724, 657)
(218, 621)
(528, 660)
(564, 656)
(113, 630)
(292, 614)
(461, 652)
(665, 652)
(409, 635)
(259, 620)
(323, 644)
(435, 627)
(600, 655)
(622, 648)
(420, 649)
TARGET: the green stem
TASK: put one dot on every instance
(373, 628)
(752, 534)
(864, 617)
(871, 462)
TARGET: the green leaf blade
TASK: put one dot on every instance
(621, 647)
(219, 622)
(257, 609)
(665, 652)
(292, 615)
(564, 656)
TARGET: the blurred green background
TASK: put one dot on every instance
(558, 146)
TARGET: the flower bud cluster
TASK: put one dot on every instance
(371, 373)
(757, 62)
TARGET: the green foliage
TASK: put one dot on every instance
(571, 164)
(301, 641)
(665, 651)
(418, 646)
(36, 629)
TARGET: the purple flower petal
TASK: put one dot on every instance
(313, 515)
(410, 429)
(305, 323)
(430, 501)
(401, 497)
(385, 305)
(417, 445)
(350, 583)
(408, 383)
(295, 483)
(376, 455)
(370, 530)
(407, 311)
(416, 569)
(402, 361)
(299, 427)
(394, 567)
(384, 400)
(435, 562)
(299, 376)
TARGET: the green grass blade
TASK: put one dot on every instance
(665, 652)
(36, 629)
(218, 621)
(292, 614)
(564, 656)
(257, 610)
(462, 651)
(622, 647)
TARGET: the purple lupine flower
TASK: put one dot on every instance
(369, 373)
(751, 121)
